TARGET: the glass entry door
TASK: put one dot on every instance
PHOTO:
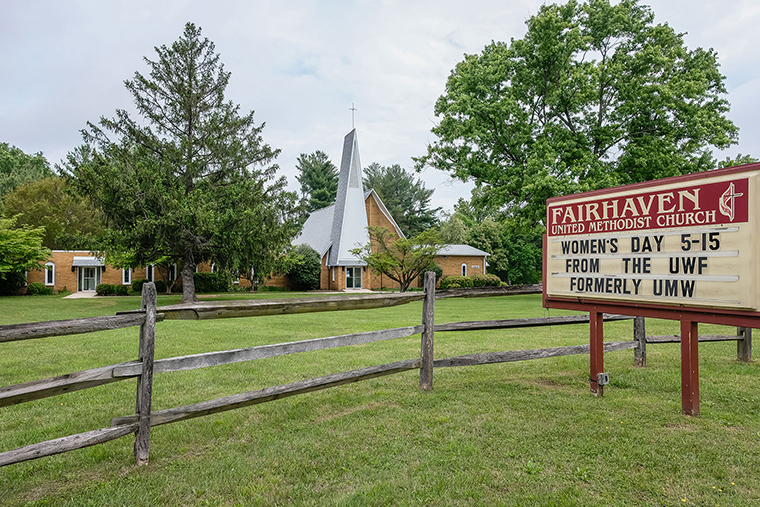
(353, 278)
(89, 277)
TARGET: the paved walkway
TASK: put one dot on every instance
(81, 294)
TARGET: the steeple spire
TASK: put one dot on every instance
(349, 228)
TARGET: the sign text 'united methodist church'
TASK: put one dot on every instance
(690, 240)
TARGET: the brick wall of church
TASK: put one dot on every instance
(376, 218)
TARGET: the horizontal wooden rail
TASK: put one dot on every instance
(45, 388)
(270, 393)
(258, 308)
(207, 359)
(475, 292)
(530, 322)
(65, 444)
(526, 355)
(676, 338)
(15, 332)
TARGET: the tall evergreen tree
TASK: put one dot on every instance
(318, 177)
(406, 197)
(193, 178)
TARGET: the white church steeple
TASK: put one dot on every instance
(349, 229)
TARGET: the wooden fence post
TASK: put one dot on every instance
(145, 380)
(596, 350)
(428, 320)
(744, 345)
(689, 367)
(640, 337)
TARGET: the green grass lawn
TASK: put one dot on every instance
(517, 434)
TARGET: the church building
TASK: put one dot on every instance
(337, 229)
(332, 231)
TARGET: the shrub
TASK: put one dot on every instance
(38, 289)
(121, 290)
(104, 289)
(435, 268)
(456, 282)
(160, 287)
(137, 284)
(486, 281)
(302, 267)
(211, 282)
(11, 283)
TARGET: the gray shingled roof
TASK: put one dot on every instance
(462, 250)
(314, 231)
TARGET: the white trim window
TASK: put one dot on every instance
(172, 272)
(150, 273)
(49, 273)
(464, 269)
(126, 276)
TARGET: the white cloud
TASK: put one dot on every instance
(301, 64)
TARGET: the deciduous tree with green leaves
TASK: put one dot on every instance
(405, 197)
(318, 177)
(70, 221)
(20, 247)
(595, 95)
(192, 179)
(16, 168)
(738, 160)
(400, 259)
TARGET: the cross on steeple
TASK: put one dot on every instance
(352, 109)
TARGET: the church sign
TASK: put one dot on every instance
(689, 240)
(685, 248)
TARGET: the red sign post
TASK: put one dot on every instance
(685, 248)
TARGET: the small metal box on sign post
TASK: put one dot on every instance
(602, 379)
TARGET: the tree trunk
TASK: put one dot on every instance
(188, 280)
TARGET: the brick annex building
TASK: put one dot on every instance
(332, 231)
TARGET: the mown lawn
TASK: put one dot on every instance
(511, 434)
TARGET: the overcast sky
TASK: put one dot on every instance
(301, 64)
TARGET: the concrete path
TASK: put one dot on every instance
(81, 294)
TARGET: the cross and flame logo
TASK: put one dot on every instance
(727, 202)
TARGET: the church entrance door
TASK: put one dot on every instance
(353, 278)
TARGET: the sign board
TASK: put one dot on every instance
(689, 241)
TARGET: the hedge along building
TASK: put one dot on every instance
(341, 227)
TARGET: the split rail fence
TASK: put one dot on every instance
(145, 366)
